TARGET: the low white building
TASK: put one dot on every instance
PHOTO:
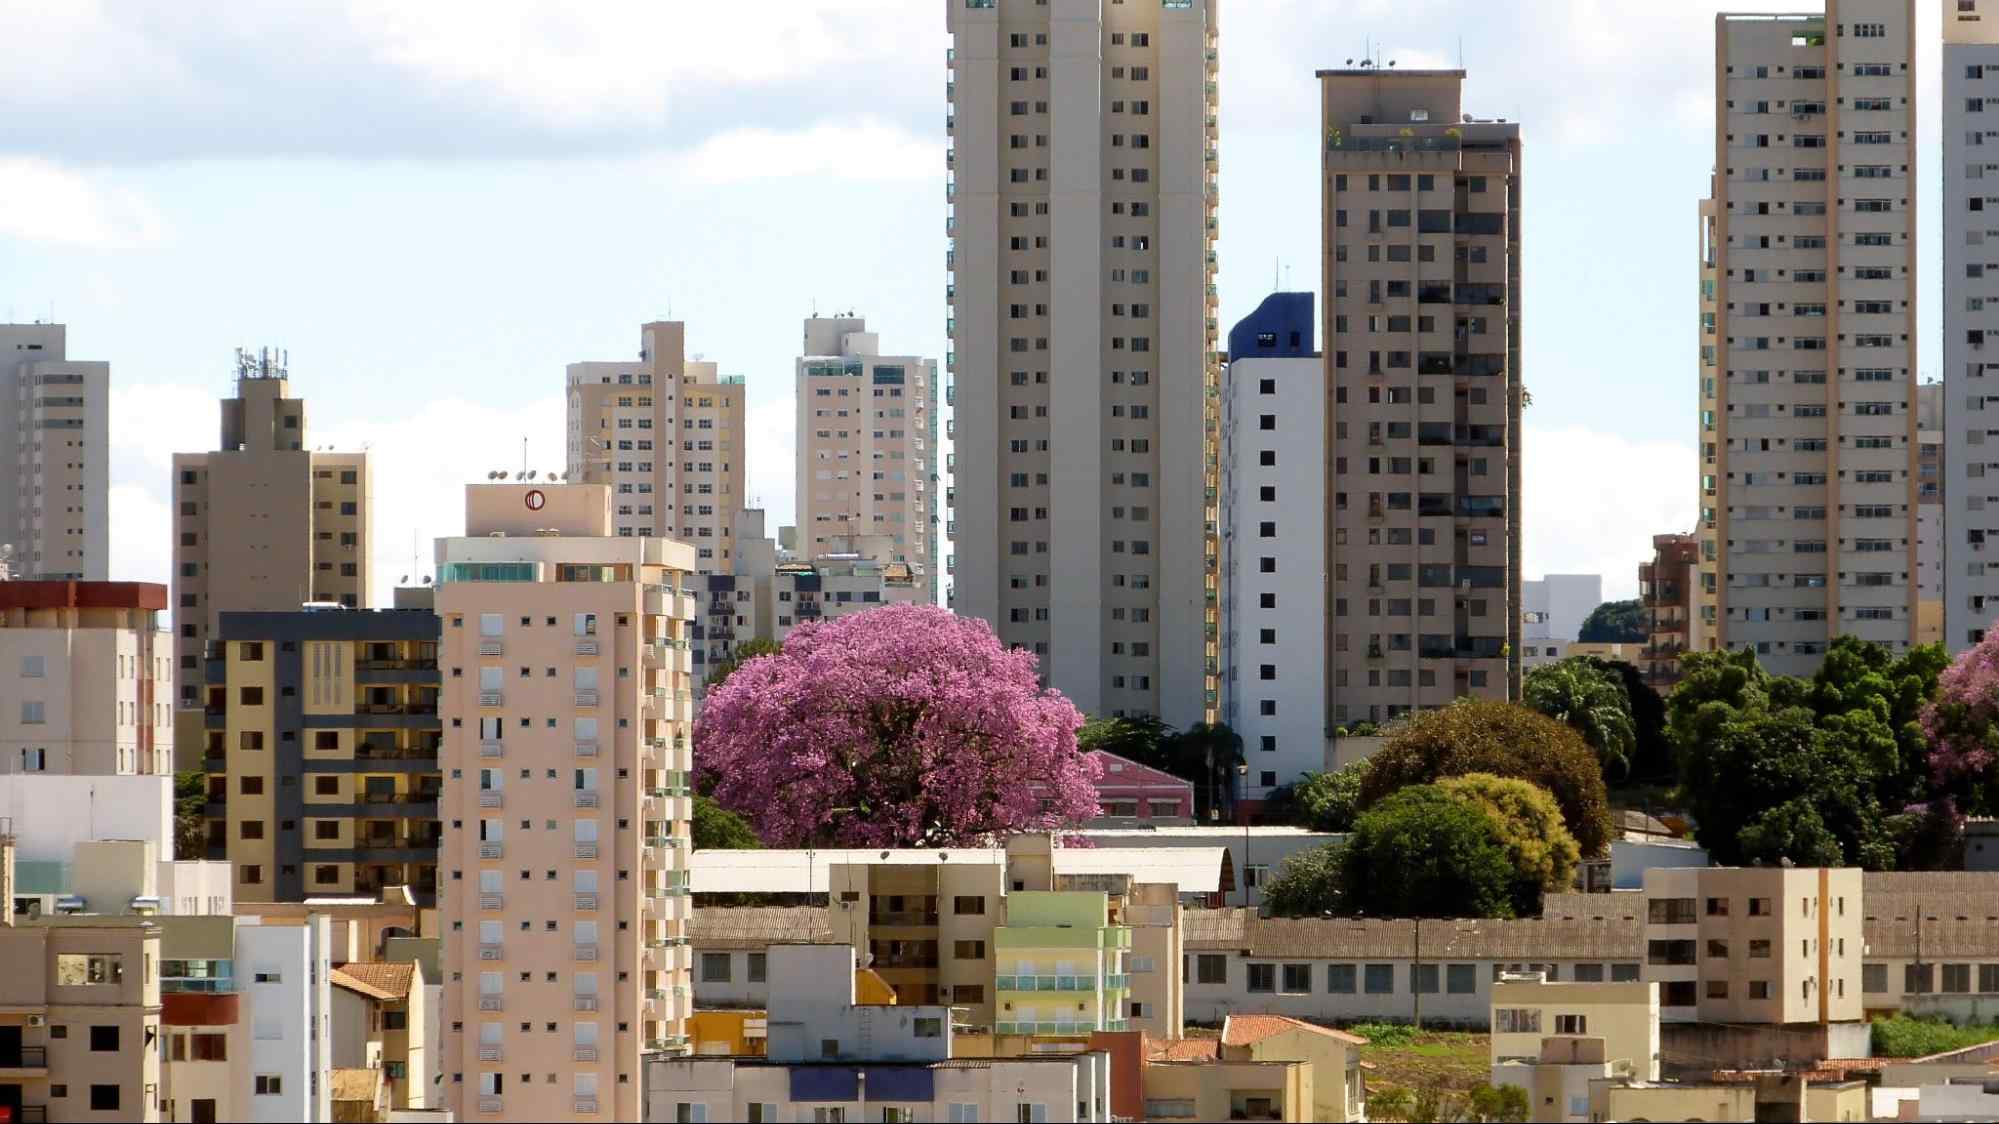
(1256, 853)
(51, 814)
(283, 972)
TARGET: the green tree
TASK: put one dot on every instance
(742, 654)
(1499, 1103)
(718, 829)
(1207, 755)
(190, 823)
(1329, 801)
(1654, 757)
(1593, 702)
(1765, 786)
(1147, 741)
(1307, 884)
(1616, 622)
(1391, 1103)
(1423, 853)
(1487, 736)
(1530, 830)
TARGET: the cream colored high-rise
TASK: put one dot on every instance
(666, 433)
(1969, 513)
(1422, 352)
(265, 523)
(566, 804)
(86, 679)
(1081, 278)
(55, 455)
(1814, 409)
(867, 446)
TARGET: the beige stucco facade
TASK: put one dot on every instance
(867, 446)
(1755, 944)
(566, 806)
(80, 1011)
(666, 434)
(1421, 331)
(1814, 416)
(55, 456)
(1526, 1010)
(1082, 188)
(86, 679)
(264, 523)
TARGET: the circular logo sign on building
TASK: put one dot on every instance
(536, 500)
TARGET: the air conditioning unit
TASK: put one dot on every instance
(36, 1020)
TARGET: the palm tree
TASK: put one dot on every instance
(1210, 752)
(1592, 702)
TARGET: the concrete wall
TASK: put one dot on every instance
(1472, 1008)
(51, 815)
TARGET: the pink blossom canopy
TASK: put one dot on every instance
(905, 725)
(1962, 722)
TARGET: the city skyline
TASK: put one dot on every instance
(158, 246)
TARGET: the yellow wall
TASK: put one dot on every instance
(725, 1033)
(1329, 1060)
(1214, 1087)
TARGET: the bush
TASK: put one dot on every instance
(1423, 853)
(1906, 1037)
(1329, 801)
(1529, 825)
(1486, 736)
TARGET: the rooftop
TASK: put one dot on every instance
(1192, 869)
(1245, 1030)
(386, 982)
(82, 595)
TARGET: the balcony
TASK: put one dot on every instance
(586, 698)
(492, 850)
(585, 1002)
(25, 1061)
(586, 798)
(489, 1104)
(492, 747)
(586, 851)
(491, 952)
(1046, 983)
(492, 901)
(584, 1053)
(586, 952)
(586, 1105)
(586, 749)
(586, 902)
(586, 645)
(491, 798)
(492, 1003)
(902, 917)
(491, 1054)
(492, 646)
(491, 698)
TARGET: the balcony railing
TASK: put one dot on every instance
(491, 1054)
(492, 747)
(586, 952)
(489, 1104)
(586, 902)
(586, 645)
(491, 798)
(584, 1054)
(586, 749)
(492, 850)
(36, 1057)
(586, 1105)
(586, 798)
(1046, 983)
(491, 698)
(586, 851)
(491, 952)
(492, 646)
(586, 698)
(492, 1003)
(585, 1003)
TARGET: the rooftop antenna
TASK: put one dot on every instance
(524, 454)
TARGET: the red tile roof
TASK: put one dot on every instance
(1243, 1030)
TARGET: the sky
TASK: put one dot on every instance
(435, 207)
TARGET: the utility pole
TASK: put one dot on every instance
(1416, 977)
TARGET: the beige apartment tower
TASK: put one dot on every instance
(566, 805)
(86, 679)
(265, 523)
(666, 433)
(867, 447)
(1813, 446)
(1081, 279)
(55, 455)
(1422, 350)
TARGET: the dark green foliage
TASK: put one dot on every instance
(718, 829)
(1593, 702)
(190, 825)
(1204, 756)
(1653, 758)
(1328, 801)
(1418, 853)
(1486, 736)
(1616, 622)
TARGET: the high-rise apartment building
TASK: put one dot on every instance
(566, 803)
(1970, 407)
(1706, 594)
(322, 739)
(86, 679)
(1274, 616)
(1814, 405)
(1929, 513)
(55, 456)
(666, 434)
(867, 446)
(1081, 281)
(1422, 353)
(1666, 585)
(265, 523)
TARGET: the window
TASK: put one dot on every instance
(1460, 979)
(1378, 979)
(1297, 979)
(1262, 978)
(1340, 978)
(1759, 989)
(1874, 978)
(715, 967)
(1211, 968)
(1917, 979)
(104, 1039)
(104, 1098)
(968, 950)
(1571, 1024)
(1423, 979)
(31, 713)
(758, 963)
(1516, 1020)
(968, 905)
(929, 1028)
(75, 969)
(32, 667)
(269, 1085)
(1957, 978)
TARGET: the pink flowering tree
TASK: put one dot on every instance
(1962, 721)
(903, 726)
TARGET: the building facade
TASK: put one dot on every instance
(1815, 394)
(1422, 350)
(1971, 328)
(322, 738)
(666, 434)
(81, 997)
(867, 446)
(1081, 279)
(1564, 601)
(1666, 586)
(265, 523)
(55, 456)
(88, 669)
(1274, 603)
(563, 860)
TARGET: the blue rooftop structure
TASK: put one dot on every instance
(1280, 328)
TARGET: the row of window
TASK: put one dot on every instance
(1275, 978)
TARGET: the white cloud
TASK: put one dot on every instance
(42, 202)
(870, 150)
(771, 448)
(141, 533)
(1594, 500)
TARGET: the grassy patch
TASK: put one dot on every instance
(1425, 1059)
(1905, 1037)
